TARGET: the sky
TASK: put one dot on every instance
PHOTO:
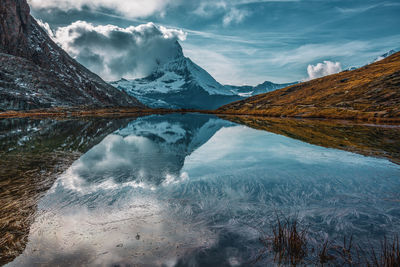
(239, 42)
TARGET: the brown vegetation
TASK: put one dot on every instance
(289, 244)
(84, 112)
(389, 255)
(369, 93)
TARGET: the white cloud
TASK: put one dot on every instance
(323, 69)
(114, 52)
(131, 8)
(235, 16)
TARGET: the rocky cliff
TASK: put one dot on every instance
(36, 73)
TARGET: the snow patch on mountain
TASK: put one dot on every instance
(383, 56)
(387, 54)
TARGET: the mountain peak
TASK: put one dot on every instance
(178, 83)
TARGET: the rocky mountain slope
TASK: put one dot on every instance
(36, 73)
(370, 92)
(179, 83)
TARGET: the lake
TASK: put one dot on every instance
(188, 189)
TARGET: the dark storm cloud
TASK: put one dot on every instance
(114, 52)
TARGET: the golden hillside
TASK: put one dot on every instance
(369, 93)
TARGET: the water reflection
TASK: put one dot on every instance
(366, 139)
(181, 190)
(146, 153)
(32, 155)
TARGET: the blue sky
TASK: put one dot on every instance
(247, 42)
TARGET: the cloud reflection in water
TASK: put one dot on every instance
(190, 186)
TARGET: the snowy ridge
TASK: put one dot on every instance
(383, 56)
(248, 91)
(387, 54)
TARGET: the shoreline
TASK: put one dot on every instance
(119, 112)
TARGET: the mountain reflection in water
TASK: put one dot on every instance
(191, 189)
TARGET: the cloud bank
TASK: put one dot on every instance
(132, 8)
(323, 69)
(113, 52)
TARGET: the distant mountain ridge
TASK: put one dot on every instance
(265, 87)
(36, 73)
(385, 55)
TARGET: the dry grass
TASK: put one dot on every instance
(324, 254)
(83, 112)
(388, 256)
(369, 93)
(289, 244)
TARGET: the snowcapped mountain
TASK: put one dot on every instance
(383, 56)
(247, 91)
(243, 91)
(387, 54)
(179, 83)
(269, 87)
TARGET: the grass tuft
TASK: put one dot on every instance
(388, 256)
(289, 243)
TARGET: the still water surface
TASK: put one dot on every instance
(195, 190)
